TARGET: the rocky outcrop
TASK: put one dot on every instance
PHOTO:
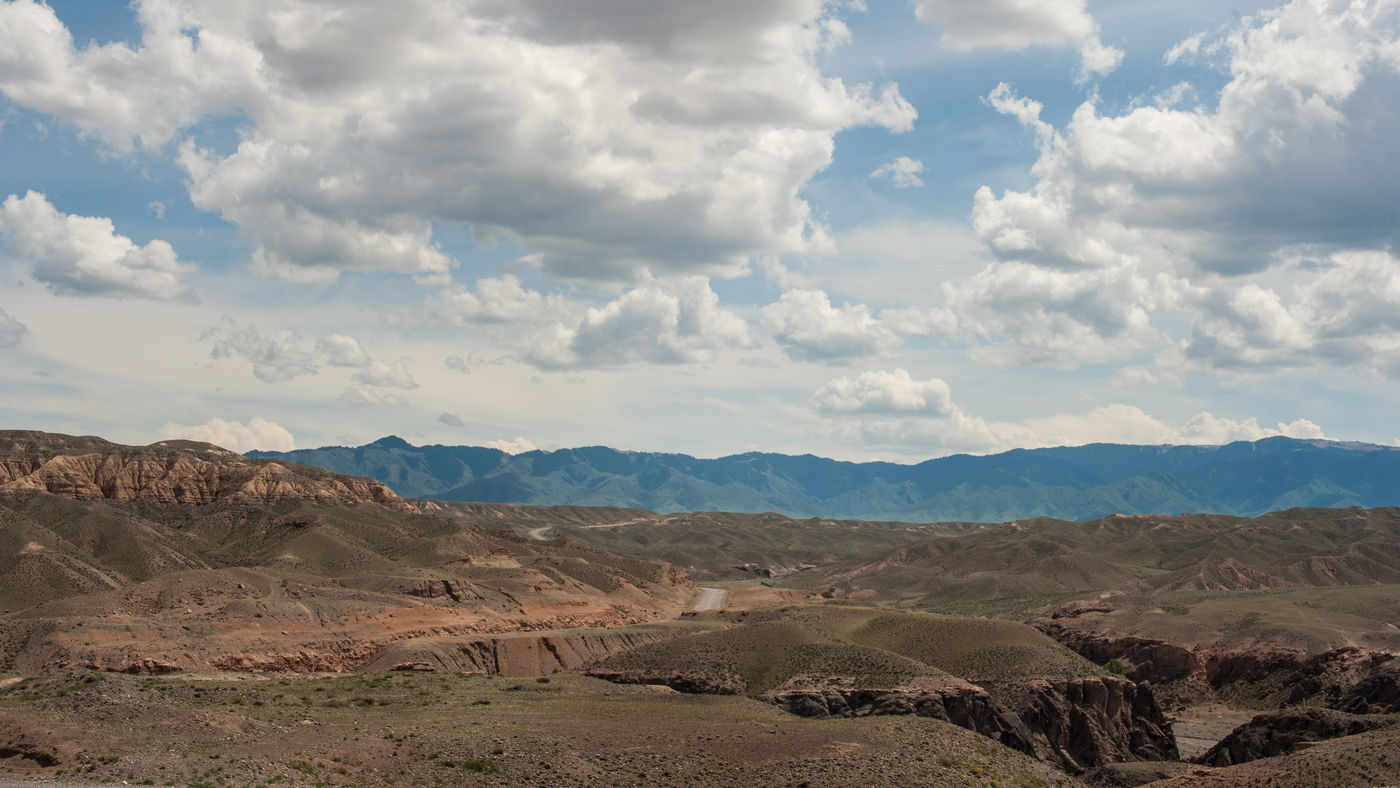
(1074, 723)
(950, 700)
(1376, 693)
(1144, 659)
(1349, 679)
(1086, 722)
(183, 472)
(1282, 732)
(526, 654)
(680, 681)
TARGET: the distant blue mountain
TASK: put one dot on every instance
(1073, 483)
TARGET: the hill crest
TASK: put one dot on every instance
(1073, 483)
(170, 471)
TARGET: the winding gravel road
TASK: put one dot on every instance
(538, 533)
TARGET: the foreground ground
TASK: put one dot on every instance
(427, 729)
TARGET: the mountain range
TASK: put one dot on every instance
(1245, 478)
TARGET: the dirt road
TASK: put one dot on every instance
(710, 599)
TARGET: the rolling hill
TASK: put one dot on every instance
(1071, 483)
(182, 556)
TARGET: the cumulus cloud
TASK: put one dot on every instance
(1019, 24)
(385, 375)
(283, 356)
(366, 397)
(259, 433)
(1170, 208)
(892, 410)
(458, 364)
(884, 392)
(84, 255)
(275, 357)
(342, 351)
(781, 276)
(11, 330)
(1290, 154)
(516, 446)
(903, 172)
(1347, 315)
(450, 419)
(661, 322)
(1015, 313)
(495, 301)
(611, 141)
(809, 328)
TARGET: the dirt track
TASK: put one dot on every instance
(710, 599)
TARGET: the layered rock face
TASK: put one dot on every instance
(952, 700)
(1349, 679)
(1087, 722)
(1076, 724)
(1144, 659)
(182, 472)
(1283, 732)
(524, 654)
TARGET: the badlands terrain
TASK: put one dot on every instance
(177, 614)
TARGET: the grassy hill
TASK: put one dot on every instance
(1304, 578)
(864, 646)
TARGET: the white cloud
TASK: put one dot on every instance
(1141, 376)
(1015, 313)
(12, 331)
(781, 276)
(110, 91)
(613, 142)
(1186, 48)
(1291, 153)
(516, 446)
(84, 255)
(385, 375)
(365, 397)
(277, 357)
(1169, 208)
(661, 322)
(1019, 24)
(893, 411)
(810, 329)
(496, 301)
(903, 172)
(1347, 315)
(884, 392)
(342, 351)
(259, 433)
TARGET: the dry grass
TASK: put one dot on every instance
(423, 729)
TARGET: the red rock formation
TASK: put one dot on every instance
(525, 654)
(181, 472)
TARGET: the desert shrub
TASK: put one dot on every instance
(482, 765)
(1115, 667)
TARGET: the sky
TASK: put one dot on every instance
(864, 230)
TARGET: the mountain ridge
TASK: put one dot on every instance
(1245, 478)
